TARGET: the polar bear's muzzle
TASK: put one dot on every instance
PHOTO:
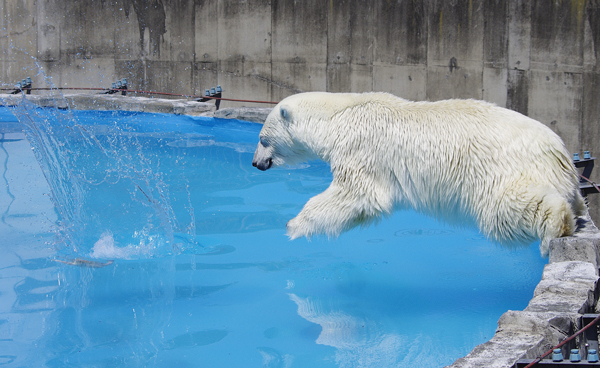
(262, 165)
(262, 158)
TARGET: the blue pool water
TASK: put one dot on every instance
(149, 240)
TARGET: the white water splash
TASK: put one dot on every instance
(106, 248)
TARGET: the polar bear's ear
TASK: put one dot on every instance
(285, 113)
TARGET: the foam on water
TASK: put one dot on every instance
(106, 248)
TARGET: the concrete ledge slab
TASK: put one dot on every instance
(140, 104)
(566, 287)
(519, 334)
(253, 114)
(575, 249)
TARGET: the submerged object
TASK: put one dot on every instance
(81, 262)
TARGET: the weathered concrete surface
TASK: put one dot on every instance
(115, 102)
(141, 104)
(253, 114)
(585, 248)
(519, 334)
(568, 289)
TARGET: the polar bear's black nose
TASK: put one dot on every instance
(263, 165)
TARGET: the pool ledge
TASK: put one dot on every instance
(568, 289)
(86, 101)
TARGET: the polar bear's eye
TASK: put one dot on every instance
(264, 142)
(283, 111)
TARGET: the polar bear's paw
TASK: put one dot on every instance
(299, 226)
(294, 229)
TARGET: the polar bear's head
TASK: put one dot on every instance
(292, 130)
(276, 142)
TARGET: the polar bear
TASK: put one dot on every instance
(465, 162)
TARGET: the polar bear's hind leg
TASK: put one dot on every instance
(554, 218)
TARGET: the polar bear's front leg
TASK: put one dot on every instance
(335, 210)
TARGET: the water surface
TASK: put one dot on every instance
(202, 273)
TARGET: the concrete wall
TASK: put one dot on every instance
(538, 57)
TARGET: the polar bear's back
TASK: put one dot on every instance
(472, 161)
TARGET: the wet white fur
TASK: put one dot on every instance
(466, 162)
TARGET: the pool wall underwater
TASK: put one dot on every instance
(567, 290)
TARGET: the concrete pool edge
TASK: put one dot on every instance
(108, 102)
(566, 291)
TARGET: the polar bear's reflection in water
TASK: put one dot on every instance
(361, 342)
